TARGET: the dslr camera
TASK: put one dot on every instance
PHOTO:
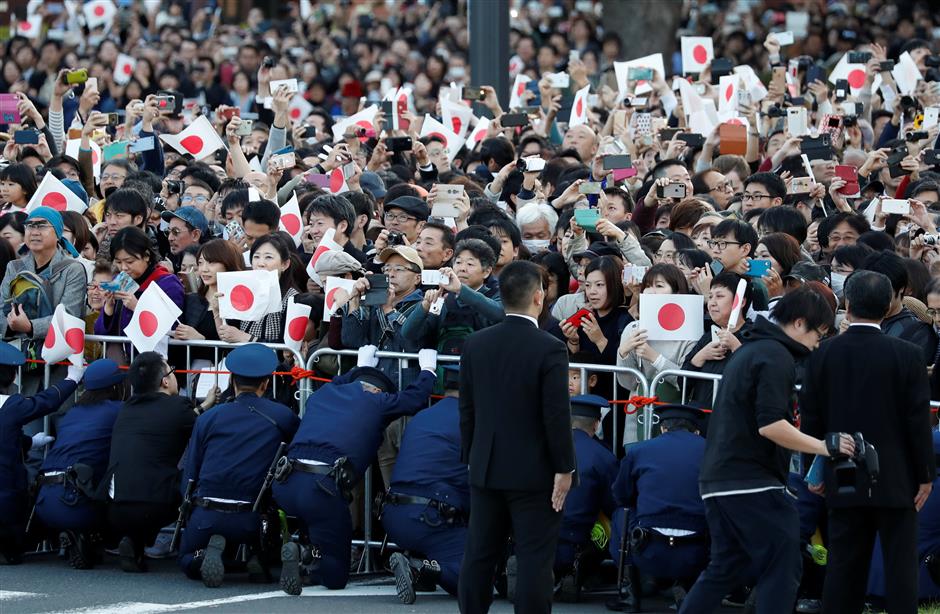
(395, 238)
(846, 468)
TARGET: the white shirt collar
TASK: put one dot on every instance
(875, 326)
(527, 317)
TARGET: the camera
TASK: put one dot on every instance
(268, 62)
(395, 238)
(174, 186)
(931, 239)
(776, 111)
(846, 468)
(850, 120)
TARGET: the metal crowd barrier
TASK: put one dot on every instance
(677, 373)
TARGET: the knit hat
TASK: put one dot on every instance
(55, 219)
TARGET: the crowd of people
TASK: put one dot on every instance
(778, 168)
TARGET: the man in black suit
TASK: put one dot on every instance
(869, 382)
(515, 429)
(142, 483)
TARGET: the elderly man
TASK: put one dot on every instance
(536, 223)
(188, 226)
(583, 140)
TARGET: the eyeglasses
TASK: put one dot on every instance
(398, 217)
(721, 244)
(198, 199)
(171, 371)
(724, 186)
(37, 226)
(837, 238)
(933, 313)
(746, 197)
(395, 269)
(820, 333)
(112, 177)
(175, 232)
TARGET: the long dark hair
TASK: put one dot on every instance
(610, 268)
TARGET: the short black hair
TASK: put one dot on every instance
(868, 294)
(334, 207)
(497, 149)
(503, 226)
(857, 222)
(776, 187)
(447, 233)
(853, 255)
(480, 250)
(478, 232)
(363, 203)
(146, 372)
(518, 282)
(234, 199)
(806, 304)
(878, 240)
(127, 200)
(891, 265)
(202, 172)
(135, 242)
(262, 212)
(739, 229)
(784, 219)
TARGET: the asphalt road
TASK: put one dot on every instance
(45, 584)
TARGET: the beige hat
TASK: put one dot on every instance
(408, 253)
(336, 262)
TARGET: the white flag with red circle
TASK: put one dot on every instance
(153, 319)
(299, 108)
(905, 73)
(65, 338)
(124, 68)
(457, 115)
(333, 285)
(363, 119)
(452, 142)
(327, 243)
(248, 295)
(728, 95)
(855, 74)
(52, 193)
(697, 52)
(479, 132)
(30, 27)
(291, 222)
(579, 108)
(518, 89)
(672, 317)
(199, 139)
(71, 150)
(295, 324)
(99, 13)
(338, 183)
(737, 304)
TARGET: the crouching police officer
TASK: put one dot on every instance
(597, 468)
(230, 451)
(15, 412)
(667, 534)
(337, 440)
(428, 501)
(66, 502)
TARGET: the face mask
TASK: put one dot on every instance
(536, 245)
(837, 280)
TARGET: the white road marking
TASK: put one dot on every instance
(14, 595)
(136, 607)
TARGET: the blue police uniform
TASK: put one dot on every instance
(428, 466)
(230, 450)
(341, 419)
(658, 482)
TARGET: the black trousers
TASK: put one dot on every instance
(757, 532)
(140, 521)
(534, 525)
(851, 539)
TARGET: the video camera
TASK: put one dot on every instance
(845, 468)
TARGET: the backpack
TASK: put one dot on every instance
(33, 293)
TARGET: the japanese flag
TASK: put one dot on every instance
(479, 133)
(579, 108)
(338, 183)
(518, 89)
(327, 243)
(622, 71)
(152, 320)
(751, 82)
(295, 325)
(65, 338)
(124, 68)
(333, 284)
(199, 139)
(247, 295)
(515, 66)
(99, 13)
(291, 222)
(728, 95)
(854, 73)
(905, 73)
(672, 317)
(737, 304)
(453, 142)
(71, 150)
(457, 115)
(299, 108)
(30, 27)
(53, 193)
(697, 52)
(362, 119)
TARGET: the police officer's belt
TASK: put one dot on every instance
(639, 536)
(446, 509)
(46, 479)
(302, 467)
(222, 506)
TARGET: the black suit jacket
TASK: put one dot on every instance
(865, 381)
(149, 437)
(515, 415)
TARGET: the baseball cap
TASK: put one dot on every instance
(373, 184)
(190, 215)
(408, 253)
(807, 271)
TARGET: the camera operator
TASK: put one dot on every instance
(888, 407)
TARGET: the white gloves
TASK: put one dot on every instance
(41, 440)
(428, 360)
(367, 356)
(76, 373)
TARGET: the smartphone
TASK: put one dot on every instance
(932, 157)
(779, 77)
(634, 274)
(886, 66)
(74, 77)
(26, 137)
(377, 294)
(859, 57)
(290, 84)
(692, 139)
(801, 185)
(671, 190)
(850, 175)
(165, 103)
(587, 219)
(639, 73)
(666, 134)
(229, 113)
(815, 73)
(758, 267)
(113, 119)
(514, 119)
(398, 143)
(931, 118)
(388, 108)
(558, 80)
(282, 161)
(469, 92)
(590, 187)
(720, 67)
(235, 230)
(842, 89)
(310, 132)
(716, 266)
(617, 161)
(433, 277)
(901, 206)
(578, 317)
(784, 38)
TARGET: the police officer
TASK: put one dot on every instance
(658, 482)
(230, 450)
(337, 440)
(15, 412)
(77, 461)
(428, 501)
(597, 467)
